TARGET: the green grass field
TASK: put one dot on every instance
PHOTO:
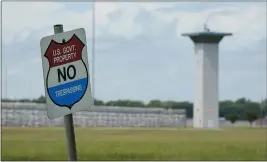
(135, 144)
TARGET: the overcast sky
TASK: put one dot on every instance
(139, 52)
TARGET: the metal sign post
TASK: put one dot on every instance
(68, 120)
(66, 78)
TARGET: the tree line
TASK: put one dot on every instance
(240, 109)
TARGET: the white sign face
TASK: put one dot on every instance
(66, 73)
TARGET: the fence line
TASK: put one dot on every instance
(35, 115)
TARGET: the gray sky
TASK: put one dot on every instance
(140, 54)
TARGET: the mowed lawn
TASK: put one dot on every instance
(136, 144)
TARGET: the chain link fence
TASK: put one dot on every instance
(35, 115)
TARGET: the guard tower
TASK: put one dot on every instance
(206, 105)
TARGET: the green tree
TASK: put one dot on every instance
(98, 102)
(155, 103)
(24, 100)
(125, 103)
(232, 118)
(251, 116)
(188, 106)
(242, 100)
(6, 100)
(167, 104)
(41, 99)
